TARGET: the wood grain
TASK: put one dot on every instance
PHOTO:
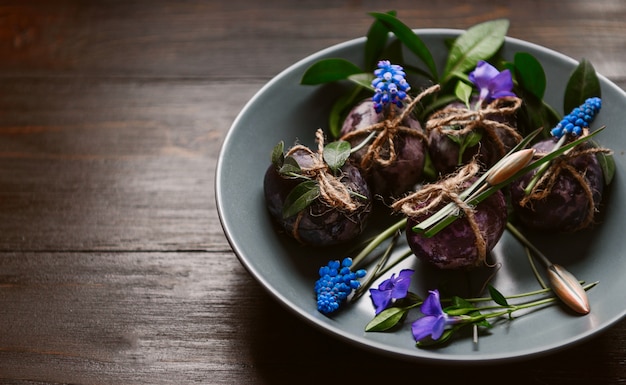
(165, 318)
(242, 39)
(100, 165)
(113, 265)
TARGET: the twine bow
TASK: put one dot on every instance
(332, 191)
(434, 195)
(547, 181)
(471, 120)
(382, 150)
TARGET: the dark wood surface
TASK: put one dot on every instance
(113, 265)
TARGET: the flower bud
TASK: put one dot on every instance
(509, 166)
(568, 289)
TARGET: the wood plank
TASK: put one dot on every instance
(115, 165)
(163, 318)
(113, 265)
(243, 39)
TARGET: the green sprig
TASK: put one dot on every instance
(448, 214)
(466, 308)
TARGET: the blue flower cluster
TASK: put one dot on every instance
(579, 118)
(335, 284)
(389, 84)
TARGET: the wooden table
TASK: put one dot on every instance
(113, 265)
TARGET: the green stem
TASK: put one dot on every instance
(528, 244)
(534, 268)
(380, 238)
(379, 266)
(514, 296)
(543, 168)
(363, 143)
(447, 215)
(401, 258)
(513, 308)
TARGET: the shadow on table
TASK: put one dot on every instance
(287, 350)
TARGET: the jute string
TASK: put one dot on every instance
(382, 149)
(435, 195)
(471, 120)
(332, 191)
(559, 165)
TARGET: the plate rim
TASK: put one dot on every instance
(361, 342)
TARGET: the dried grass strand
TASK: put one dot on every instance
(332, 191)
(434, 195)
(382, 150)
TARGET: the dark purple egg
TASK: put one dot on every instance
(455, 247)
(319, 224)
(445, 153)
(569, 204)
(405, 171)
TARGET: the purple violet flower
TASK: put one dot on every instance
(434, 321)
(391, 289)
(491, 83)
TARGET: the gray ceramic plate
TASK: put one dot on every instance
(285, 110)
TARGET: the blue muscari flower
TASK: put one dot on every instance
(336, 283)
(491, 83)
(389, 84)
(435, 319)
(391, 289)
(580, 117)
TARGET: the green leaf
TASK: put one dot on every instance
(497, 297)
(453, 311)
(445, 337)
(466, 141)
(535, 113)
(329, 70)
(607, 163)
(410, 40)
(336, 154)
(393, 52)
(377, 37)
(463, 91)
(582, 84)
(472, 139)
(483, 322)
(479, 42)
(289, 167)
(386, 319)
(300, 198)
(277, 154)
(336, 115)
(413, 299)
(530, 74)
(459, 302)
(363, 79)
(459, 306)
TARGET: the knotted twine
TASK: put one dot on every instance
(561, 164)
(471, 120)
(332, 191)
(434, 195)
(382, 150)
